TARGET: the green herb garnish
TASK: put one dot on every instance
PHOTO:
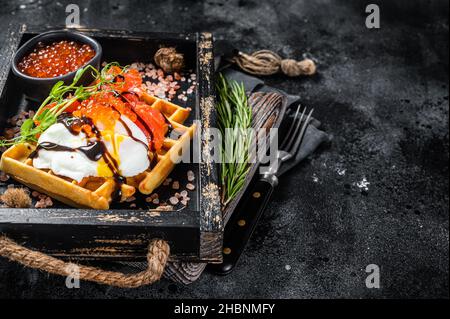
(234, 113)
(59, 99)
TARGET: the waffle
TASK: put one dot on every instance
(98, 192)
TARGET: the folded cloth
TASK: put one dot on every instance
(186, 272)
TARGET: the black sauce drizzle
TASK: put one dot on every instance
(93, 150)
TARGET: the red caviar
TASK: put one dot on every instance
(55, 59)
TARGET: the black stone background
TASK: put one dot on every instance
(382, 94)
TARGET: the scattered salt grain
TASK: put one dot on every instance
(315, 178)
(130, 199)
(363, 185)
(173, 200)
(190, 176)
(48, 201)
(43, 202)
(151, 197)
(3, 176)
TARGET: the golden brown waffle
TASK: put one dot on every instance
(98, 192)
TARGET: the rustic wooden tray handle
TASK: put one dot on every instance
(157, 255)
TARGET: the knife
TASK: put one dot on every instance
(244, 219)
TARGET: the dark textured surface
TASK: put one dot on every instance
(382, 94)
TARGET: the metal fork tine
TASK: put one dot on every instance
(299, 139)
(288, 134)
(294, 134)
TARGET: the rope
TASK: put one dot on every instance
(158, 253)
(265, 62)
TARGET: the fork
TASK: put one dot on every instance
(244, 219)
(289, 146)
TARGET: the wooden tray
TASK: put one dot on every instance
(193, 233)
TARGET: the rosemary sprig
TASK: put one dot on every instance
(59, 99)
(234, 119)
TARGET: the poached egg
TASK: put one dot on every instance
(125, 142)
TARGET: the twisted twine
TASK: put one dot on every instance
(157, 255)
(265, 62)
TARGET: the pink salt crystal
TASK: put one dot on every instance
(39, 204)
(130, 199)
(173, 200)
(3, 176)
(48, 201)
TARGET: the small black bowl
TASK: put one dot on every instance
(39, 88)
